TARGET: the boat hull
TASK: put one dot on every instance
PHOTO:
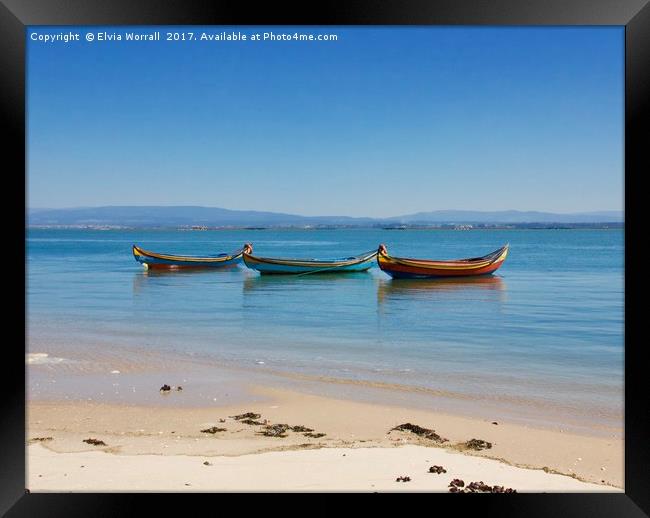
(268, 266)
(154, 260)
(400, 268)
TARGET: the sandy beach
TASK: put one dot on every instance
(325, 259)
(296, 441)
(330, 469)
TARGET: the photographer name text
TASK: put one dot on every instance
(176, 36)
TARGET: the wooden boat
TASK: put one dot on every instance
(399, 267)
(268, 265)
(167, 261)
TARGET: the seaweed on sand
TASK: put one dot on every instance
(478, 444)
(252, 422)
(420, 432)
(95, 442)
(247, 415)
(275, 430)
(213, 430)
(301, 428)
(456, 486)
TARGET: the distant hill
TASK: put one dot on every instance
(509, 216)
(175, 216)
(165, 216)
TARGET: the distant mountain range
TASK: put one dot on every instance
(510, 216)
(178, 216)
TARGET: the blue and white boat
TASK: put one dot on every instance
(272, 265)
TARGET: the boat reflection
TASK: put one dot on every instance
(490, 285)
(168, 276)
(261, 283)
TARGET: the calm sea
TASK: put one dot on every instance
(546, 330)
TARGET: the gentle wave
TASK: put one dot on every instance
(43, 358)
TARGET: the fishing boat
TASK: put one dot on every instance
(399, 267)
(168, 261)
(268, 265)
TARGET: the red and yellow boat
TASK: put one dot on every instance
(156, 260)
(399, 267)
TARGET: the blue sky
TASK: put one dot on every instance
(381, 122)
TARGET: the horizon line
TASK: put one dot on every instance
(622, 210)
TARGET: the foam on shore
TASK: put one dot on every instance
(43, 359)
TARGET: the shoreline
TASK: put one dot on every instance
(174, 432)
(113, 377)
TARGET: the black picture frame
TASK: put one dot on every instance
(15, 15)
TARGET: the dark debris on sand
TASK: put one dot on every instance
(301, 428)
(437, 469)
(501, 489)
(456, 486)
(281, 429)
(95, 442)
(478, 444)
(275, 430)
(40, 439)
(252, 422)
(316, 435)
(214, 429)
(420, 432)
(403, 479)
(247, 415)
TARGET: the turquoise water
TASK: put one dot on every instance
(547, 329)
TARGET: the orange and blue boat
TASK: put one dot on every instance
(270, 265)
(404, 268)
(167, 261)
